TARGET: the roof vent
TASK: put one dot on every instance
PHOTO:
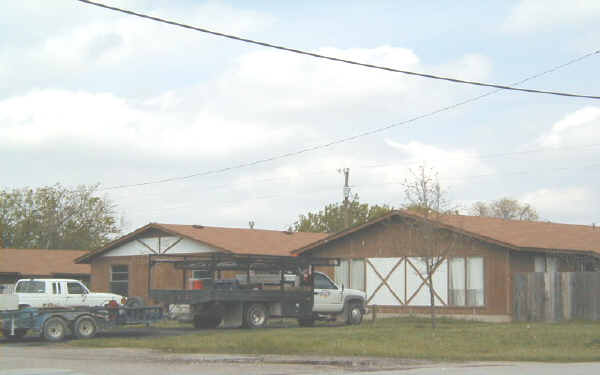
(288, 232)
(197, 226)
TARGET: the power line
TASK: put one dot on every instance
(240, 185)
(350, 138)
(378, 184)
(331, 58)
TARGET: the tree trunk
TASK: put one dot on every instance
(431, 296)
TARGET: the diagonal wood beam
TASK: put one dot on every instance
(384, 281)
(146, 246)
(425, 282)
(172, 245)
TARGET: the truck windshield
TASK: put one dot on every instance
(30, 286)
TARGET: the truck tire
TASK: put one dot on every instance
(207, 322)
(19, 333)
(256, 316)
(54, 329)
(85, 327)
(306, 322)
(355, 314)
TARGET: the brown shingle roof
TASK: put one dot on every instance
(42, 262)
(515, 234)
(235, 240)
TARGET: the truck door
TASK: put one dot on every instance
(328, 297)
(55, 293)
(76, 294)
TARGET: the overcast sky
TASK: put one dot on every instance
(89, 96)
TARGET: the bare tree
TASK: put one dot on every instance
(505, 208)
(425, 196)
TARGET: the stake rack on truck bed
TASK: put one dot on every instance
(241, 290)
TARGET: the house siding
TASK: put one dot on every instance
(164, 276)
(396, 238)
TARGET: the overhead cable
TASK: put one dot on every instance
(331, 58)
(346, 139)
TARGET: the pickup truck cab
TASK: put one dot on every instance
(336, 300)
(42, 293)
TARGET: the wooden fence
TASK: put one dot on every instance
(555, 296)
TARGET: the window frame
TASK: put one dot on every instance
(327, 279)
(466, 281)
(117, 281)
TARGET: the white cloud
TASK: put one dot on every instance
(577, 204)
(95, 40)
(113, 124)
(545, 15)
(454, 166)
(581, 127)
(268, 81)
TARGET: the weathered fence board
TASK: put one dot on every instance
(554, 296)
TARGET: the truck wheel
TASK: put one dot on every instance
(256, 316)
(207, 322)
(54, 329)
(306, 322)
(85, 327)
(19, 333)
(354, 314)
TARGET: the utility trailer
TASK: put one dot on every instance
(53, 323)
(242, 290)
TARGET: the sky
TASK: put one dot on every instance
(90, 96)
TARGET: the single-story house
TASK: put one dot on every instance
(40, 263)
(477, 258)
(122, 266)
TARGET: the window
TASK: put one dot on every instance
(351, 273)
(31, 286)
(200, 274)
(119, 279)
(75, 288)
(466, 281)
(475, 281)
(56, 288)
(545, 263)
(322, 282)
(456, 285)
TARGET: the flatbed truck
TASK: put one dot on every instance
(235, 290)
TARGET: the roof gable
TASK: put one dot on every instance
(234, 240)
(514, 234)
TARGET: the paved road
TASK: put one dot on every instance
(36, 357)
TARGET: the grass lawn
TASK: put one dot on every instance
(396, 337)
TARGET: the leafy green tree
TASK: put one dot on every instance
(331, 218)
(56, 217)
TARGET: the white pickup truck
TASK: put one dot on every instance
(334, 301)
(43, 293)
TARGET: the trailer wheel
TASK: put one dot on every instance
(54, 329)
(85, 327)
(256, 316)
(354, 314)
(19, 333)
